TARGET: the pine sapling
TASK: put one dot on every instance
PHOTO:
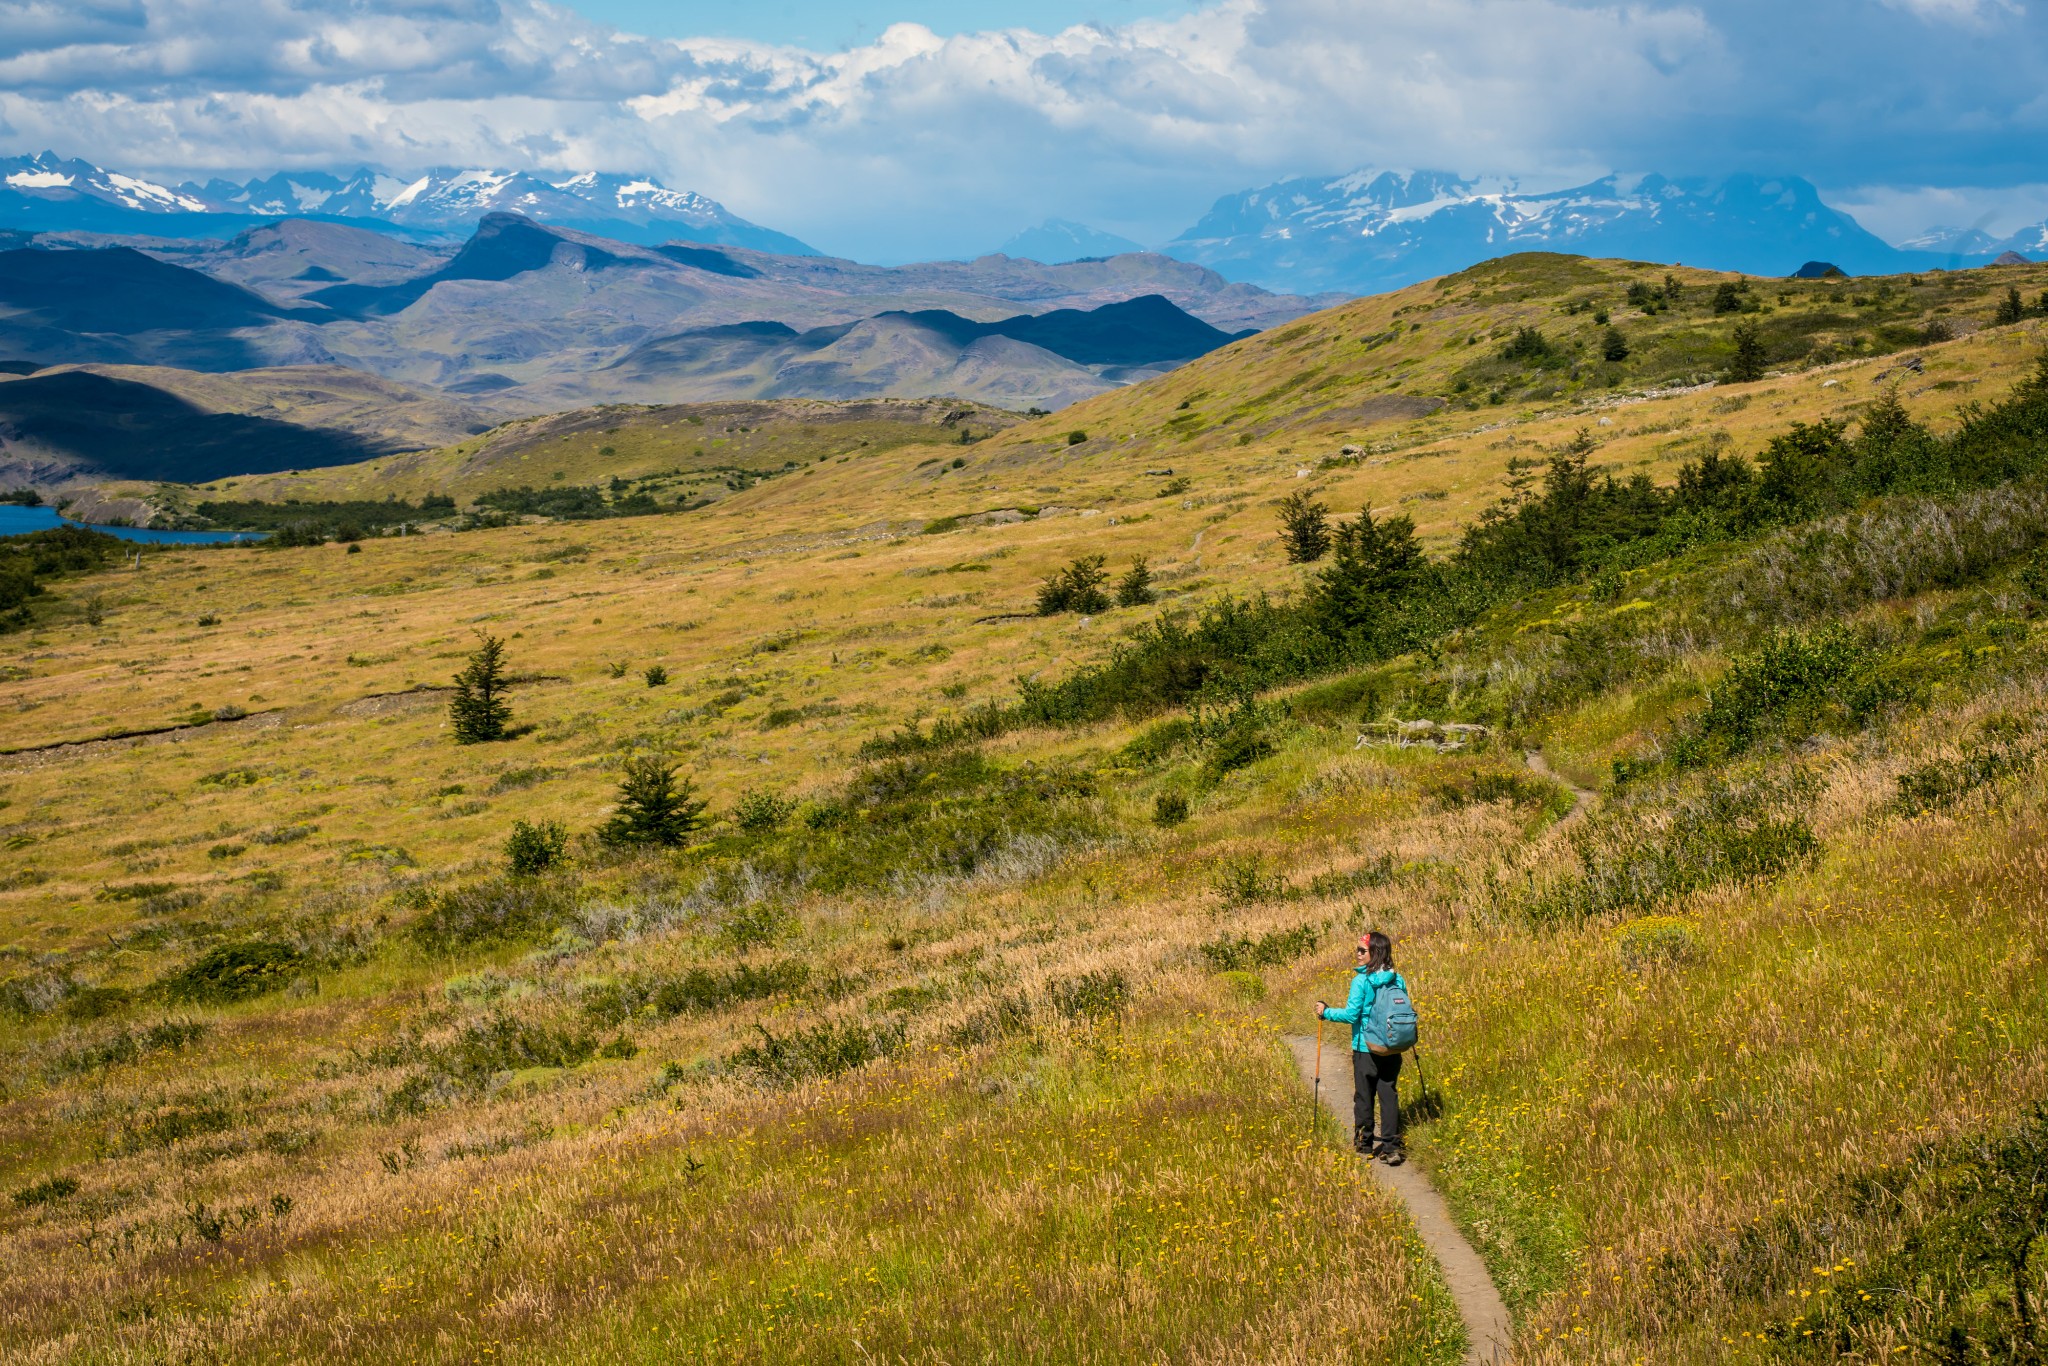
(479, 712)
(655, 806)
(1134, 589)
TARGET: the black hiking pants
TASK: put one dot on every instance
(1373, 1076)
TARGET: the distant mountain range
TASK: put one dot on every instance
(301, 342)
(1374, 231)
(48, 193)
(1364, 232)
(1044, 359)
(1057, 240)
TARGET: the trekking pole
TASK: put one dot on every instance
(1316, 1099)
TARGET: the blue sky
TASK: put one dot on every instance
(897, 129)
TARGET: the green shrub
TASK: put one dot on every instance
(1794, 684)
(1961, 1225)
(502, 1043)
(47, 1191)
(1158, 741)
(1094, 995)
(516, 780)
(207, 1112)
(234, 972)
(1008, 1015)
(508, 909)
(1637, 855)
(702, 990)
(1272, 949)
(1076, 438)
(822, 1050)
(756, 811)
(1378, 873)
(1248, 986)
(532, 849)
(1169, 809)
(1242, 880)
(2033, 575)
(1240, 742)
(1941, 783)
(1530, 347)
(133, 891)
(126, 1046)
(1656, 939)
(656, 676)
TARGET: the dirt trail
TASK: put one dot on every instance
(1488, 1332)
(1581, 797)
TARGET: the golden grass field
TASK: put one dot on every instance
(1143, 1183)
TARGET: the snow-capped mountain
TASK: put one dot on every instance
(33, 190)
(1058, 240)
(2031, 243)
(50, 193)
(1372, 231)
(1953, 240)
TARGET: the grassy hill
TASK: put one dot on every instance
(677, 452)
(968, 1048)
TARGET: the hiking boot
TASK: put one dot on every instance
(1361, 1142)
(1390, 1155)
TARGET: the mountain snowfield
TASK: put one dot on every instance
(1378, 230)
(47, 192)
(1365, 232)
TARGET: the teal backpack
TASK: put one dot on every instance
(1393, 1019)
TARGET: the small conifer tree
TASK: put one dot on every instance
(1614, 346)
(1304, 528)
(1077, 588)
(1748, 364)
(479, 712)
(1134, 589)
(655, 806)
(2011, 308)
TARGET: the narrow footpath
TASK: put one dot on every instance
(1488, 1333)
(1582, 798)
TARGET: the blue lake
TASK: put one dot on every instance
(19, 521)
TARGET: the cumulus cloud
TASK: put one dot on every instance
(1956, 11)
(913, 143)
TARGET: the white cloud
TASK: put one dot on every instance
(1899, 213)
(1955, 11)
(916, 143)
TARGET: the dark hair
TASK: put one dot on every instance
(1379, 953)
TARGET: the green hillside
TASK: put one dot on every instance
(1686, 736)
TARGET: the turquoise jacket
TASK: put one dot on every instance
(1357, 1012)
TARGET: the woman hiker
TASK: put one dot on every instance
(1374, 1065)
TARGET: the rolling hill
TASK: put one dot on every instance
(1418, 376)
(528, 318)
(66, 425)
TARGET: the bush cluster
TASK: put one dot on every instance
(1271, 949)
